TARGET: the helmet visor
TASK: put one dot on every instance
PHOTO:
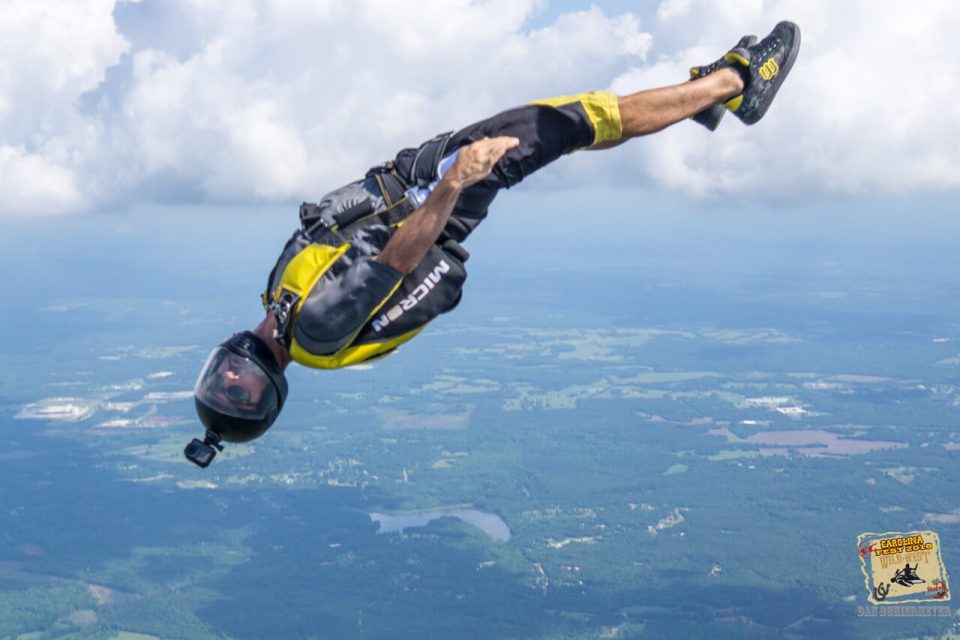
(236, 386)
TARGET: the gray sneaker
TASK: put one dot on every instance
(764, 66)
(711, 116)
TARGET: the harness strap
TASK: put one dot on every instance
(402, 209)
(392, 187)
(353, 213)
(423, 171)
(309, 215)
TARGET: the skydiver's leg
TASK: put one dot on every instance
(550, 128)
(654, 110)
(546, 131)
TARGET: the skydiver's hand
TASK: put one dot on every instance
(475, 161)
(410, 243)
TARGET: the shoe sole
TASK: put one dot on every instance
(710, 117)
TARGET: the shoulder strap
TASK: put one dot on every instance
(298, 270)
(392, 186)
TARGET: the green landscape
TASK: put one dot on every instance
(695, 462)
(635, 498)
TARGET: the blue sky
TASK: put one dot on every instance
(109, 104)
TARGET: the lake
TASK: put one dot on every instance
(490, 523)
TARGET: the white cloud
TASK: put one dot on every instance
(50, 53)
(868, 107)
(246, 100)
(31, 184)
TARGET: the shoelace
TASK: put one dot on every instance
(710, 68)
(766, 49)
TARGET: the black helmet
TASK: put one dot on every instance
(239, 393)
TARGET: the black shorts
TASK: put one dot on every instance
(547, 129)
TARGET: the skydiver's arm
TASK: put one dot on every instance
(407, 247)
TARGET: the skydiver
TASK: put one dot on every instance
(376, 260)
(907, 577)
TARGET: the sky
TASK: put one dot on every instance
(111, 104)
